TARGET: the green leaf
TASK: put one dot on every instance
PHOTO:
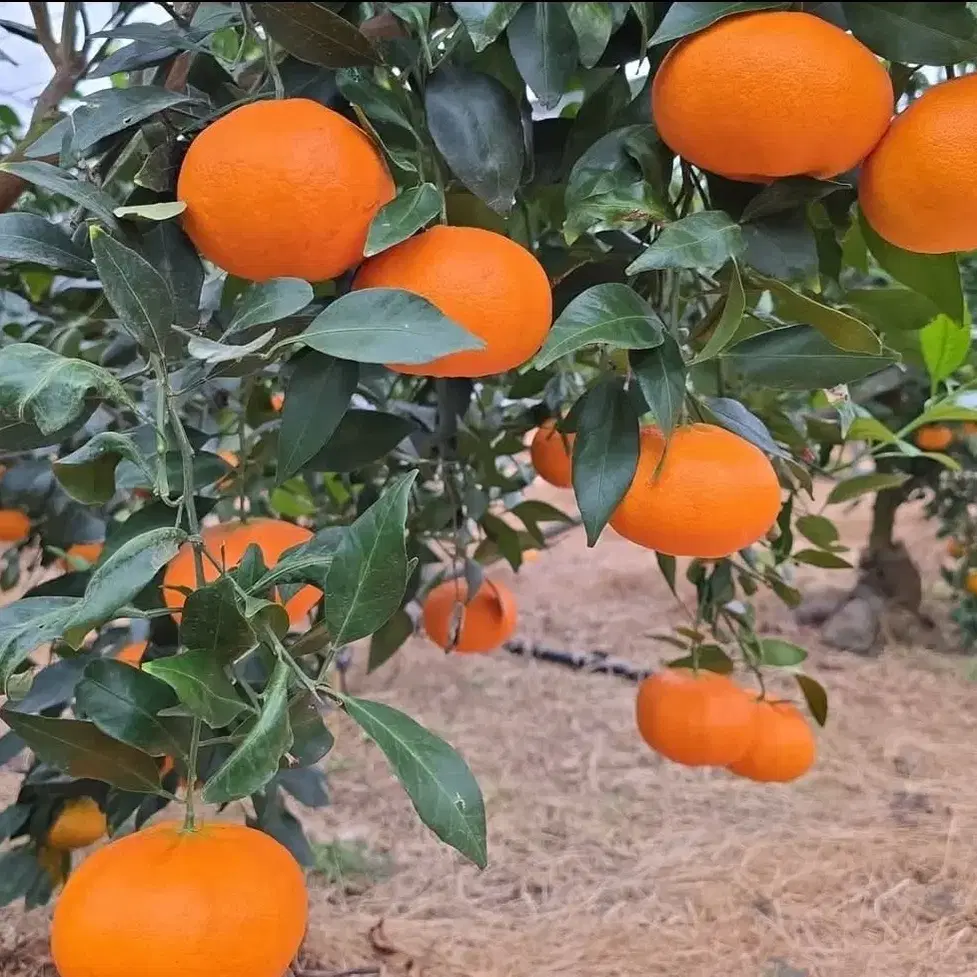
(733, 416)
(945, 345)
(135, 289)
(893, 309)
(612, 313)
(28, 237)
(815, 697)
(605, 453)
(593, 23)
(485, 21)
(842, 330)
(798, 358)
(170, 252)
(616, 184)
(88, 474)
(440, 785)
(388, 638)
(788, 194)
(782, 246)
(687, 18)
(125, 702)
(270, 301)
(50, 390)
(256, 760)
(118, 579)
(27, 623)
(915, 33)
(852, 488)
(780, 654)
(705, 240)
(311, 738)
(316, 399)
(729, 320)
(152, 212)
(710, 657)
(80, 192)
(820, 558)
(20, 871)
(211, 352)
(201, 685)
(544, 46)
(386, 325)
(368, 574)
(667, 566)
(476, 126)
(362, 436)
(312, 32)
(407, 213)
(937, 276)
(661, 375)
(819, 530)
(82, 750)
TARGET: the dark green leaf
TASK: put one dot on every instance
(612, 314)
(389, 637)
(256, 760)
(50, 390)
(199, 681)
(687, 18)
(82, 750)
(819, 530)
(88, 474)
(170, 252)
(270, 301)
(306, 784)
(937, 276)
(705, 240)
(593, 23)
(125, 702)
(710, 657)
(815, 697)
(20, 871)
(313, 32)
(485, 21)
(787, 195)
(733, 416)
(780, 654)
(386, 325)
(440, 785)
(945, 345)
(894, 309)
(28, 237)
(81, 192)
(316, 399)
(306, 563)
(782, 246)
(799, 358)
(915, 33)
(312, 739)
(667, 566)
(503, 541)
(361, 437)
(544, 46)
(135, 289)
(26, 624)
(661, 375)
(12, 819)
(407, 213)
(476, 126)
(858, 485)
(368, 573)
(605, 453)
(821, 558)
(272, 817)
(729, 320)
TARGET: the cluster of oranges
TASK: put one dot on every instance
(771, 94)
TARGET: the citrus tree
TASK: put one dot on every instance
(284, 304)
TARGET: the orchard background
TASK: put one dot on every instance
(187, 342)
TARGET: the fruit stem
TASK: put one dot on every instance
(190, 816)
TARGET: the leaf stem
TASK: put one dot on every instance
(190, 817)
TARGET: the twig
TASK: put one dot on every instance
(352, 972)
(598, 662)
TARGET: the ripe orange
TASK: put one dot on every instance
(955, 548)
(132, 653)
(282, 188)
(233, 900)
(80, 824)
(934, 437)
(482, 624)
(550, 456)
(783, 746)
(14, 526)
(971, 583)
(714, 494)
(79, 553)
(772, 94)
(699, 719)
(485, 282)
(229, 541)
(277, 401)
(917, 188)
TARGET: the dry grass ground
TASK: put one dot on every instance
(606, 862)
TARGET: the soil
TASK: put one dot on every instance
(606, 861)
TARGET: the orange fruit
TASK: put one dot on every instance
(916, 189)
(228, 542)
(783, 745)
(80, 823)
(550, 457)
(277, 401)
(132, 653)
(699, 719)
(282, 189)
(955, 548)
(482, 624)
(233, 900)
(971, 583)
(714, 494)
(14, 526)
(772, 94)
(934, 437)
(484, 281)
(79, 553)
